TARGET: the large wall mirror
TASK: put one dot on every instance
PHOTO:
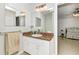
(48, 21)
(38, 22)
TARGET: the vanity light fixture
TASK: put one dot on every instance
(76, 12)
(22, 13)
(41, 7)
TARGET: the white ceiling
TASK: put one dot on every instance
(67, 9)
(26, 6)
(60, 4)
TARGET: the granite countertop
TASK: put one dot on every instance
(45, 36)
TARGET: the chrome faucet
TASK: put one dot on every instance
(38, 31)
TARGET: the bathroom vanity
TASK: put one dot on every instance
(42, 45)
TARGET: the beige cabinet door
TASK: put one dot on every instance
(12, 42)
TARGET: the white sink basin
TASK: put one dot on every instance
(36, 35)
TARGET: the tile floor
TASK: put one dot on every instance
(68, 46)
